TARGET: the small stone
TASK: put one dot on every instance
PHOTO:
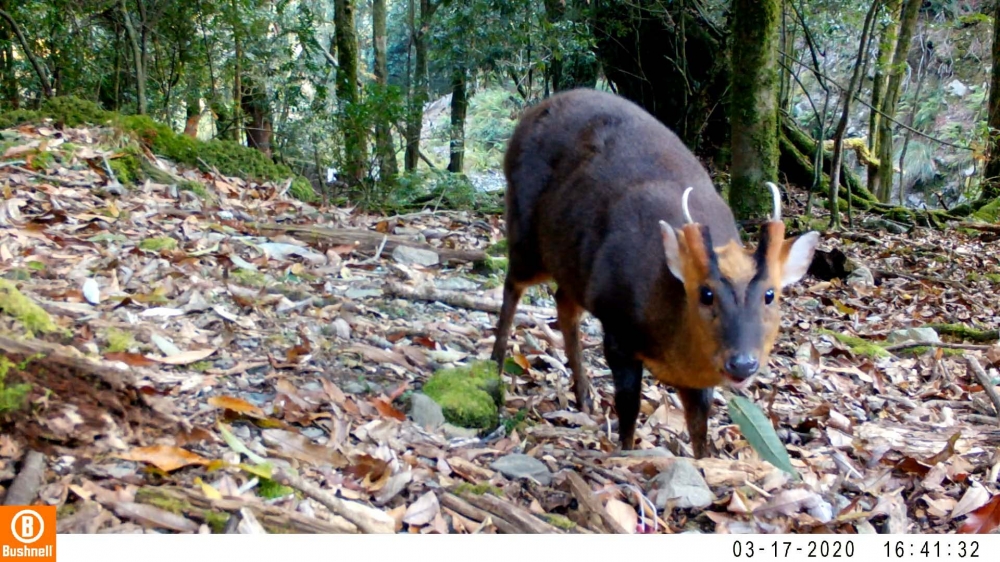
(523, 466)
(225, 363)
(918, 335)
(407, 255)
(356, 294)
(957, 88)
(425, 412)
(861, 277)
(648, 453)
(342, 328)
(355, 387)
(683, 485)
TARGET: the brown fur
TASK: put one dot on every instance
(590, 175)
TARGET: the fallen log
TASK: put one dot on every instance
(369, 241)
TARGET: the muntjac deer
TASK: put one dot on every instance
(609, 203)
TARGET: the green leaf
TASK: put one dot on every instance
(760, 433)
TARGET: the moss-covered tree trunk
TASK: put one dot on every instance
(838, 135)
(383, 136)
(907, 23)
(347, 90)
(886, 46)
(991, 181)
(419, 95)
(754, 107)
(459, 107)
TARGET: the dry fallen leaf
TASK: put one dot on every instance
(422, 511)
(237, 405)
(165, 457)
(624, 514)
(984, 520)
(185, 357)
(300, 447)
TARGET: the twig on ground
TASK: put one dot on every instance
(984, 380)
(368, 519)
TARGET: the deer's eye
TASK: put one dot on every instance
(706, 296)
(769, 296)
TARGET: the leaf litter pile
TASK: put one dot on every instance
(209, 354)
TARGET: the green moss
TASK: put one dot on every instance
(34, 319)
(197, 188)
(469, 396)
(119, 340)
(993, 278)
(217, 521)
(269, 489)
(498, 249)
(859, 346)
(249, 278)
(302, 190)
(158, 244)
(961, 331)
(127, 168)
(200, 366)
(989, 212)
(478, 489)
(560, 521)
(42, 161)
(12, 397)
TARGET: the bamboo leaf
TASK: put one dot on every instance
(759, 432)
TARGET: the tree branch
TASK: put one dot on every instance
(42, 76)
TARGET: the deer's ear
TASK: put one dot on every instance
(672, 249)
(796, 256)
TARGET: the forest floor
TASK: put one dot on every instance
(224, 357)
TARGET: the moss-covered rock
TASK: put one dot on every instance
(469, 396)
(228, 157)
(34, 319)
(989, 212)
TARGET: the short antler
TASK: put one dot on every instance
(777, 202)
(684, 205)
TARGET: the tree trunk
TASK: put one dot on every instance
(785, 71)
(415, 115)
(753, 111)
(8, 80)
(568, 70)
(459, 106)
(907, 23)
(886, 45)
(257, 115)
(383, 135)
(355, 150)
(925, 53)
(43, 77)
(140, 70)
(991, 181)
(838, 136)
(639, 44)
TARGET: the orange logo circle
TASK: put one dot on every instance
(27, 526)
